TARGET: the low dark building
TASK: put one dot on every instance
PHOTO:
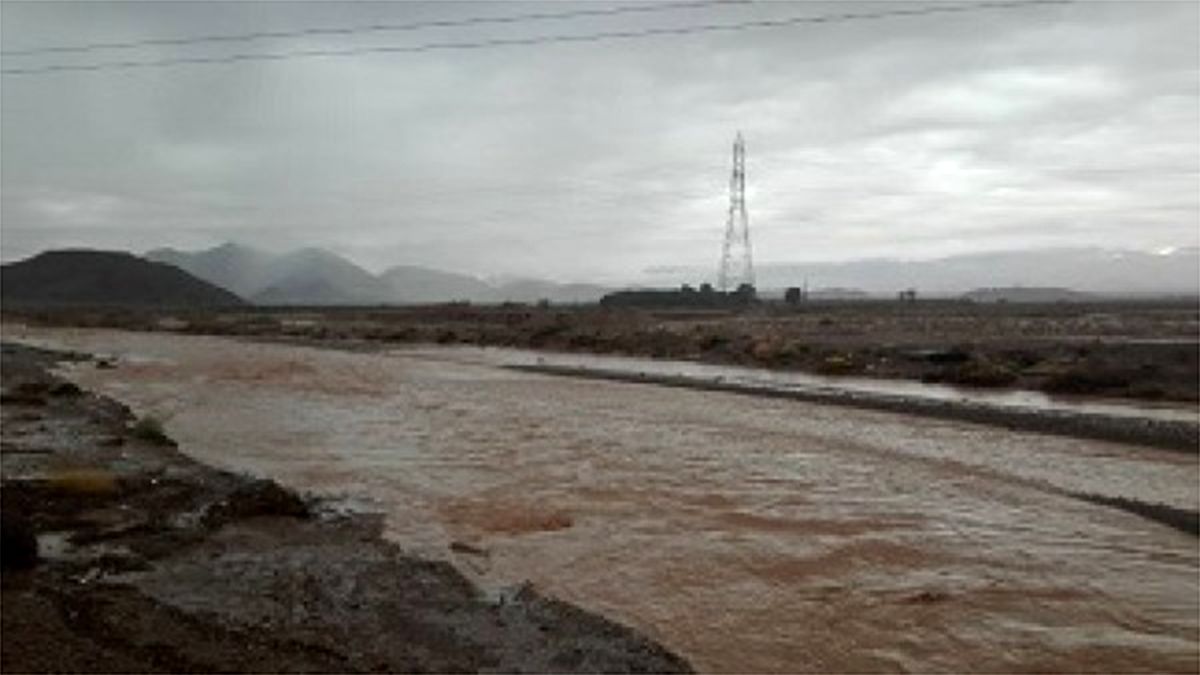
(685, 296)
(796, 295)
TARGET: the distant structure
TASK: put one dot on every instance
(796, 295)
(737, 266)
(684, 297)
(735, 280)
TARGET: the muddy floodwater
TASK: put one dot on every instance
(747, 534)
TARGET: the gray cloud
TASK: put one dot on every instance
(923, 136)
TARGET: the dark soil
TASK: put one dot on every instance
(121, 554)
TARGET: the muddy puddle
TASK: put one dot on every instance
(747, 534)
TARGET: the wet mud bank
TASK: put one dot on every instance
(1180, 519)
(1174, 435)
(122, 554)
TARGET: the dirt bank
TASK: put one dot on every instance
(121, 554)
(1143, 350)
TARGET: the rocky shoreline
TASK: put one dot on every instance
(122, 554)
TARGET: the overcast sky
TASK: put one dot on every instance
(910, 137)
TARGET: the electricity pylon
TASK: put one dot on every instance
(737, 228)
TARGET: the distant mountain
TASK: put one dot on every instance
(412, 284)
(313, 276)
(837, 294)
(308, 276)
(535, 290)
(241, 269)
(105, 278)
(1093, 270)
(1027, 294)
(304, 290)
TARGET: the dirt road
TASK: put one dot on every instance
(746, 534)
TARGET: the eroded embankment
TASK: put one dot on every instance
(1143, 350)
(1167, 434)
(123, 554)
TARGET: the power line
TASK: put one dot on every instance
(372, 28)
(535, 40)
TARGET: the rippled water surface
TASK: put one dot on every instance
(748, 534)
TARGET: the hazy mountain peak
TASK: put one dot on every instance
(313, 275)
(234, 248)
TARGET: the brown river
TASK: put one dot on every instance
(747, 534)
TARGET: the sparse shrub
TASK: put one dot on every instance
(836, 364)
(35, 388)
(582, 340)
(26, 393)
(406, 334)
(765, 351)
(792, 352)
(260, 497)
(542, 334)
(949, 356)
(1023, 359)
(1078, 381)
(67, 389)
(1147, 390)
(150, 429)
(17, 398)
(982, 374)
(712, 341)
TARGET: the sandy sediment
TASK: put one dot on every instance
(122, 554)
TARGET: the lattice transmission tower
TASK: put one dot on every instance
(737, 265)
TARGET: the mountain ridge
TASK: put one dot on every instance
(85, 277)
(315, 276)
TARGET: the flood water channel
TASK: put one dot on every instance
(747, 534)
